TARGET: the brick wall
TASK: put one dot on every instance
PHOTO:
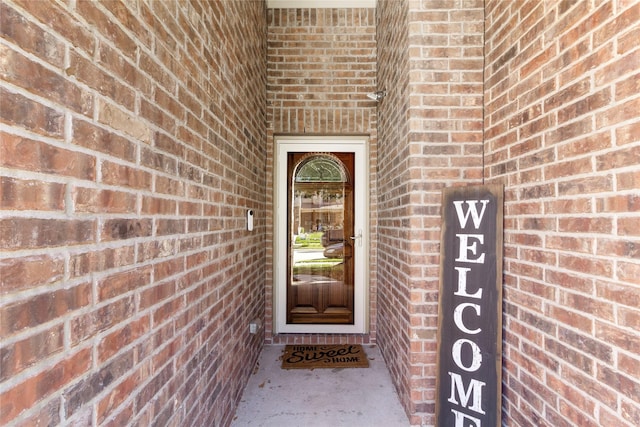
(430, 135)
(321, 64)
(563, 133)
(132, 142)
(393, 147)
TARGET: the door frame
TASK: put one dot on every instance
(322, 144)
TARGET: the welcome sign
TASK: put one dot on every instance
(470, 308)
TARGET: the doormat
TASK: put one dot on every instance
(324, 356)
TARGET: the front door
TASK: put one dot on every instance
(320, 248)
(322, 230)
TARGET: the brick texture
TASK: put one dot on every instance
(134, 135)
(542, 97)
(132, 141)
(561, 127)
(430, 136)
(393, 134)
(321, 63)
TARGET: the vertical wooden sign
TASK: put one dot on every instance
(469, 376)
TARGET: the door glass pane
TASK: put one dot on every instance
(320, 223)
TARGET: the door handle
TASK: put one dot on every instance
(358, 237)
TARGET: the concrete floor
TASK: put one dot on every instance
(357, 397)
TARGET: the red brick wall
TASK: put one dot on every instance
(132, 142)
(321, 64)
(393, 148)
(563, 133)
(430, 136)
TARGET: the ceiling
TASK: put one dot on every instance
(313, 4)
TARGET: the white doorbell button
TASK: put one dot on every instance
(250, 219)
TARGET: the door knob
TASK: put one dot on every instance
(358, 237)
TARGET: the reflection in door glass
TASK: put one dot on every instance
(320, 288)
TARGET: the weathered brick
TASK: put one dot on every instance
(115, 397)
(158, 161)
(85, 390)
(618, 68)
(586, 225)
(103, 201)
(48, 415)
(627, 156)
(43, 308)
(88, 135)
(31, 155)
(628, 387)
(603, 310)
(574, 167)
(161, 119)
(628, 226)
(56, 17)
(116, 229)
(117, 340)
(630, 412)
(596, 267)
(20, 194)
(629, 272)
(158, 249)
(589, 385)
(87, 72)
(122, 66)
(30, 37)
(628, 40)
(629, 364)
(588, 144)
(26, 272)
(88, 325)
(120, 283)
(15, 109)
(31, 390)
(94, 262)
(156, 294)
(170, 226)
(586, 344)
(102, 23)
(22, 354)
(135, 127)
(25, 233)
(581, 186)
(124, 13)
(125, 176)
(43, 82)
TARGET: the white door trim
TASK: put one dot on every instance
(359, 146)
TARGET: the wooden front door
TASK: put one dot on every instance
(320, 228)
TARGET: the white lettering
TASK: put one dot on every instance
(457, 317)
(473, 210)
(462, 284)
(474, 390)
(465, 248)
(456, 352)
(460, 417)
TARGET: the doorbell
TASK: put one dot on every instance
(250, 219)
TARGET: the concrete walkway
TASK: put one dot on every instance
(358, 397)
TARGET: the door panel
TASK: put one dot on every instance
(320, 269)
(320, 288)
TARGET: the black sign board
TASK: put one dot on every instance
(470, 308)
